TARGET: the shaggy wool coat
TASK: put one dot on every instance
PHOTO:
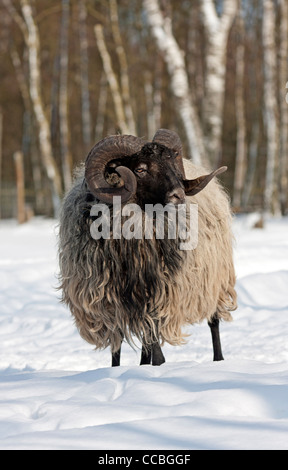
(145, 289)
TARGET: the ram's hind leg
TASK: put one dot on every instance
(157, 355)
(214, 327)
(116, 358)
(152, 352)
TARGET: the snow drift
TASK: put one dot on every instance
(56, 392)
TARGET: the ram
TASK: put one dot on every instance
(146, 288)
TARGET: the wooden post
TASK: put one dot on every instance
(19, 168)
(1, 134)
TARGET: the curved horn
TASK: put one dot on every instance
(196, 185)
(111, 148)
(171, 140)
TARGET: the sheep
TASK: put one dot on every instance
(146, 289)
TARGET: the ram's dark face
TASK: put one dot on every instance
(159, 180)
(141, 172)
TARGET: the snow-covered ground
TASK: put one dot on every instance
(56, 392)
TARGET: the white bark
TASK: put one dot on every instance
(240, 164)
(66, 157)
(27, 126)
(124, 76)
(271, 202)
(112, 80)
(85, 95)
(33, 45)
(153, 100)
(174, 60)
(283, 75)
(217, 30)
(102, 102)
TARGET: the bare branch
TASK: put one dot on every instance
(16, 17)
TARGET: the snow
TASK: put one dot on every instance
(56, 392)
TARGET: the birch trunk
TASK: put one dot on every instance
(63, 98)
(33, 45)
(124, 76)
(148, 89)
(28, 123)
(174, 60)
(153, 97)
(102, 102)
(240, 164)
(86, 119)
(271, 201)
(217, 31)
(112, 80)
(283, 76)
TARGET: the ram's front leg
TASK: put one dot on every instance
(116, 358)
(214, 327)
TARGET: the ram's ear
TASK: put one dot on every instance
(196, 185)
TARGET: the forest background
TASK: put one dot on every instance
(73, 72)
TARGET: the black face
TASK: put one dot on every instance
(159, 179)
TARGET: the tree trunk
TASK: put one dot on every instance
(283, 75)
(102, 102)
(240, 164)
(252, 165)
(271, 200)
(28, 123)
(148, 89)
(19, 169)
(174, 60)
(112, 80)
(1, 136)
(153, 98)
(63, 97)
(217, 31)
(33, 45)
(86, 119)
(124, 77)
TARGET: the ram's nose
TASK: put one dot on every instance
(177, 196)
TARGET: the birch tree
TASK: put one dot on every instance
(102, 103)
(217, 29)
(283, 76)
(173, 57)
(240, 163)
(124, 76)
(271, 201)
(63, 97)
(153, 99)
(28, 122)
(31, 37)
(112, 80)
(85, 95)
